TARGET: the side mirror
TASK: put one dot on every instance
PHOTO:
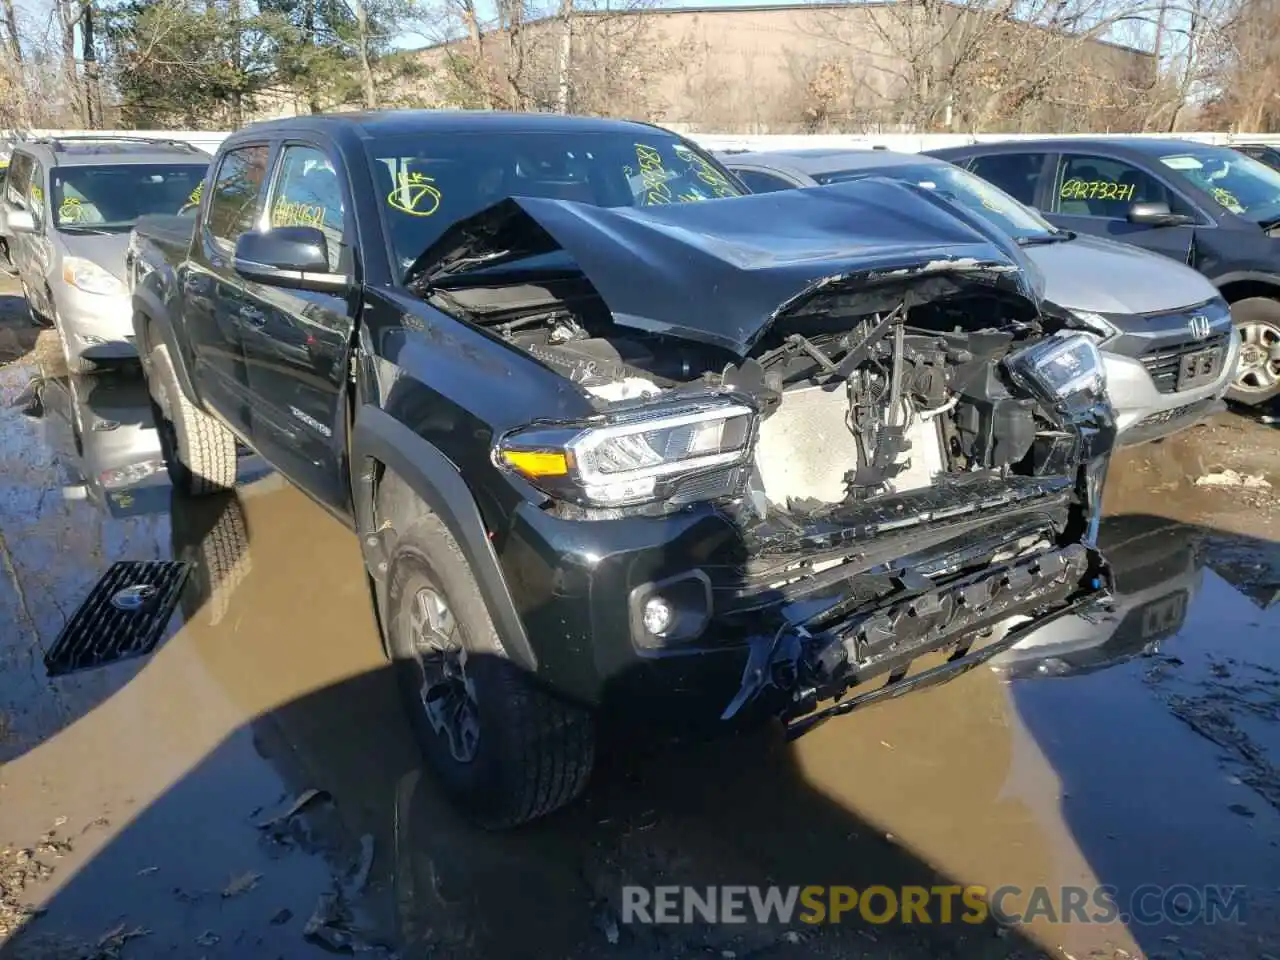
(1156, 213)
(19, 221)
(294, 257)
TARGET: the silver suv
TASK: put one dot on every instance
(68, 206)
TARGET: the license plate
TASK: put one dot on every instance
(1199, 368)
(1162, 618)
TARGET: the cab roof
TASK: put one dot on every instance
(388, 123)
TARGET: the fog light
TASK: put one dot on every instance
(671, 611)
(658, 616)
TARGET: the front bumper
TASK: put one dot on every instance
(1144, 413)
(98, 327)
(868, 591)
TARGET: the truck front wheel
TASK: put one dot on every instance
(505, 750)
(199, 452)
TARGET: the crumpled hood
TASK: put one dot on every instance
(1102, 276)
(721, 271)
(106, 250)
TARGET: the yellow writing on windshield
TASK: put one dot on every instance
(70, 211)
(286, 213)
(709, 175)
(37, 196)
(653, 175)
(1075, 189)
(414, 194)
(195, 195)
(1227, 199)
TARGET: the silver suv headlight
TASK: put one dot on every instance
(1061, 367)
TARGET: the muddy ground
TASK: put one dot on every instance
(252, 790)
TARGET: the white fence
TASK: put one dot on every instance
(908, 143)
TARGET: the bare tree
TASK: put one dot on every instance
(69, 12)
(991, 64)
(1245, 71)
(14, 69)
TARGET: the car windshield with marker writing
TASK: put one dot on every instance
(93, 199)
(428, 185)
(1236, 182)
(970, 192)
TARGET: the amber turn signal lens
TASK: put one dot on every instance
(537, 463)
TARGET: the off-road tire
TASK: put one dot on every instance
(199, 452)
(535, 751)
(212, 534)
(1254, 310)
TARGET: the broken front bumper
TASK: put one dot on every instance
(783, 616)
(828, 654)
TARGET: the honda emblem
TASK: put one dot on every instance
(1201, 326)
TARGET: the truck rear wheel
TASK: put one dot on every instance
(505, 750)
(199, 452)
(1257, 377)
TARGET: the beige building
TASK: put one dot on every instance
(842, 67)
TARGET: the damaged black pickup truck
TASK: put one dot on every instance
(612, 434)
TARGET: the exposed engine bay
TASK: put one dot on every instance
(862, 392)
(907, 451)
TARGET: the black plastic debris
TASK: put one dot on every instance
(124, 616)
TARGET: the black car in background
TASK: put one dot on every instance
(1209, 206)
(1265, 152)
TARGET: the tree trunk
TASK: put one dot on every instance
(309, 31)
(68, 14)
(566, 55)
(366, 68)
(92, 84)
(237, 61)
(15, 53)
(477, 51)
(512, 21)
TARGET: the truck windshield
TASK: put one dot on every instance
(1236, 182)
(426, 184)
(964, 189)
(113, 197)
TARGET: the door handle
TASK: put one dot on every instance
(252, 315)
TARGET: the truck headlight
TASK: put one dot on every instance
(644, 455)
(1061, 366)
(88, 276)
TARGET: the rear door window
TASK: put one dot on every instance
(233, 204)
(1017, 174)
